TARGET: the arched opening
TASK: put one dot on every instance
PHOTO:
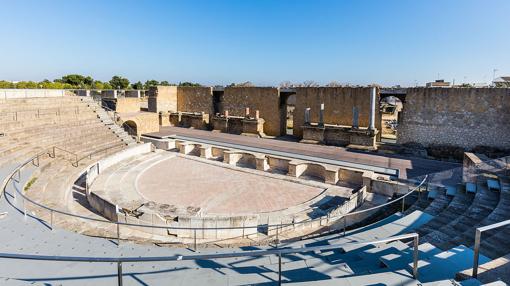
(130, 127)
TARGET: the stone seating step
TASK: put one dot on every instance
(37, 130)
(8, 127)
(440, 202)
(481, 207)
(458, 205)
(500, 213)
(57, 137)
(420, 204)
(90, 144)
(496, 245)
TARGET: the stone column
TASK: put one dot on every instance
(371, 118)
(307, 116)
(247, 112)
(257, 114)
(321, 115)
(355, 117)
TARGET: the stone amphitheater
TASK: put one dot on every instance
(199, 186)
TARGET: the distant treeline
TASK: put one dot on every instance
(76, 81)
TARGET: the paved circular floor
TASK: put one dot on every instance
(217, 190)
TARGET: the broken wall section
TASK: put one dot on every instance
(338, 106)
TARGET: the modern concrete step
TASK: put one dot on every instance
(445, 265)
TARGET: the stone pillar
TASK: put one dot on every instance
(87, 92)
(367, 180)
(257, 114)
(307, 116)
(205, 151)
(355, 117)
(261, 163)
(321, 115)
(164, 118)
(371, 118)
(247, 112)
(226, 113)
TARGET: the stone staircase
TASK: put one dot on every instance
(105, 117)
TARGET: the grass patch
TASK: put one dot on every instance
(30, 183)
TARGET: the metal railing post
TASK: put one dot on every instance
(119, 273)
(24, 208)
(476, 255)
(277, 237)
(118, 234)
(415, 256)
(279, 268)
(195, 239)
(403, 203)
(345, 223)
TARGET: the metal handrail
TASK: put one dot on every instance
(89, 155)
(478, 238)
(276, 227)
(75, 163)
(255, 253)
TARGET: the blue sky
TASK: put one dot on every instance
(266, 42)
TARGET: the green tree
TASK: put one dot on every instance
(27, 84)
(165, 83)
(7, 84)
(150, 83)
(88, 81)
(137, 85)
(119, 82)
(75, 80)
(187, 83)
(97, 84)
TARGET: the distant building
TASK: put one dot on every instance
(438, 83)
(503, 81)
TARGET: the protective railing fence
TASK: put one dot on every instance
(256, 253)
(478, 239)
(275, 229)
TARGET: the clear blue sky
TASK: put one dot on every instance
(218, 42)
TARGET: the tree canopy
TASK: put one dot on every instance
(119, 82)
(77, 81)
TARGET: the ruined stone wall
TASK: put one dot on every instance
(146, 122)
(338, 104)
(463, 117)
(127, 104)
(195, 99)
(162, 98)
(264, 99)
